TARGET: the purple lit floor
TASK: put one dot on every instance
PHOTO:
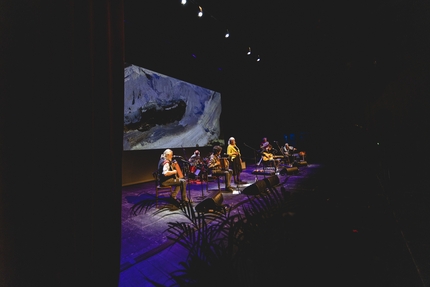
(388, 229)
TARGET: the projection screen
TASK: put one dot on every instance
(163, 112)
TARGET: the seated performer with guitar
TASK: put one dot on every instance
(171, 175)
(269, 157)
(218, 166)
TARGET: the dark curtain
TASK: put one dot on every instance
(61, 119)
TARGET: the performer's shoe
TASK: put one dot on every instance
(229, 189)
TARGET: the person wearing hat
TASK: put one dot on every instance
(233, 153)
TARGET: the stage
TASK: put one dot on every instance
(365, 237)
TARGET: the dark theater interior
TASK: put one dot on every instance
(346, 83)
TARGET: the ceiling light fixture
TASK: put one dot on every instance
(227, 34)
(200, 12)
(183, 2)
(249, 51)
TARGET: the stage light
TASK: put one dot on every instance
(249, 51)
(258, 58)
(200, 12)
(183, 2)
(227, 34)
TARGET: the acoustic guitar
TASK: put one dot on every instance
(266, 156)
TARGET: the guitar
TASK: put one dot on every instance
(266, 156)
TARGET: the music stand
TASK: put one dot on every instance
(203, 174)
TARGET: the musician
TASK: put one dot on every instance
(233, 153)
(268, 157)
(171, 175)
(218, 169)
(289, 152)
(195, 159)
(196, 166)
(264, 144)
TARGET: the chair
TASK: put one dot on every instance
(158, 187)
(214, 177)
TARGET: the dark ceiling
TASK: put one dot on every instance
(317, 57)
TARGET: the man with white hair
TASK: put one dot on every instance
(170, 175)
(289, 152)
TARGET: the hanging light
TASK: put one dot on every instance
(258, 58)
(183, 2)
(200, 12)
(249, 51)
(227, 34)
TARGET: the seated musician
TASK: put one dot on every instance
(196, 164)
(195, 159)
(289, 152)
(218, 169)
(171, 175)
(268, 157)
(264, 144)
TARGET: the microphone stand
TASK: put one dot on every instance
(282, 152)
(255, 153)
(279, 148)
(186, 164)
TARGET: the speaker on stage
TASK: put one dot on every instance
(261, 185)
(300, 163)
(289, 171)
(212, 202)
(271, 181)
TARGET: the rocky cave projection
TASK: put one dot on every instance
(163, 112)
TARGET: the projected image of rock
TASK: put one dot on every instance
(164, 112)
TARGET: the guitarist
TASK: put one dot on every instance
(233, 153)
(264, 144)
(268, 157)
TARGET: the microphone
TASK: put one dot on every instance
(177, 156)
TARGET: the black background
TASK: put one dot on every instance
(324, 64)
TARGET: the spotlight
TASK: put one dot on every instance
(258, 58)
(227, 34)
(200, 12)
(249, 51)
(183, 2)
